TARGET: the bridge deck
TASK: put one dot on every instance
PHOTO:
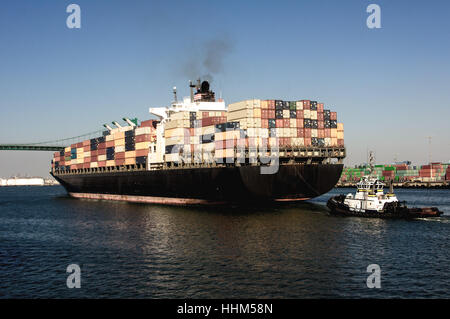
(11, 147)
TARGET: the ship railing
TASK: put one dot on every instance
(285, 155)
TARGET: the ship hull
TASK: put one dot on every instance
(198, 186)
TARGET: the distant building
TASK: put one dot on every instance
(23, 181)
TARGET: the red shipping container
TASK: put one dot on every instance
(109, 144)
(271, 114)
(94, 158)
(119, 155)
(300, 122)
(86, 142)
(306, 104)
(327, 132)
(307, 141)
(264, 113)
(286, 122)
(319, 116)
(102, 164)
(80, 145)
(265, 123)
(148, 123)
(321, 133)
(340, 142)
(101, 151)
(307, 132)
(94, 153)
(86, 148)
(86, 165)
(101, 146)
(87, 160)
(279, 122)
(119, 162)
(320, 125)
(300, 114)
(300, 132)
(319, 107)
(140, 153)
(271, 104)
(73, 145)
(333, 116)
(143, 138)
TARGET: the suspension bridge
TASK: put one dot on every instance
(55, 145)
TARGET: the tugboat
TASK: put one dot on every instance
(370, 201)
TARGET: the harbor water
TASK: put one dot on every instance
(148, 251)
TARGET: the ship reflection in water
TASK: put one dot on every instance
(289, 251)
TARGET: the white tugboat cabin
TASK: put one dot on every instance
(369, 196)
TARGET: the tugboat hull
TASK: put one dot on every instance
(391, 210)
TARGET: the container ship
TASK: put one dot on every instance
(201, 151)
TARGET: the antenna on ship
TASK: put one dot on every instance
(191, 86)
(371, 161)
(175, 94)
(108, 127)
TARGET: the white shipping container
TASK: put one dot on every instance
(314, 115)
(208, 147)
(142, 130)
(183, 115)
(286, 114)
(120, 148)
(208, 129)
(228, 152)
(307, 114)
(230, 135)
(241, 114)
(264, 133)
(179, 131)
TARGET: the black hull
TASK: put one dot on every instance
(394, 211)
(206, 185)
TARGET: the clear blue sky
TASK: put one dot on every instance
(390, 86)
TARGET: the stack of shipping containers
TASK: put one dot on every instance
(212, 135)
(401, 173)
(252, 124)
(124, 146)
